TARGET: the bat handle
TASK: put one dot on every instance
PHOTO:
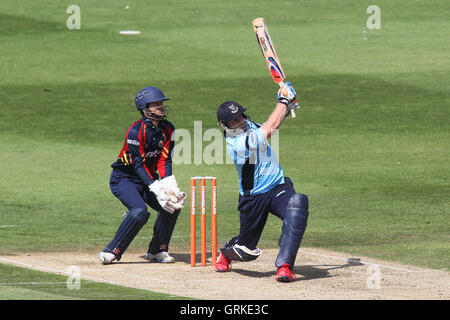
(293, 115)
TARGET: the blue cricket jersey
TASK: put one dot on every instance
(257, 165)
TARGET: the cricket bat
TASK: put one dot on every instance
(269, 53)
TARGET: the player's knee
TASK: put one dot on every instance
(298, 200)
(139, 214)
(297, 213)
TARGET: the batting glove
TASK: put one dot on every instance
(286, 94)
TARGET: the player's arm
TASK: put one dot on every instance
(136, 144)
(275, 120)
(164, 164)
(285, 97)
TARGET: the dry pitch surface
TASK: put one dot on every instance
(320, 274)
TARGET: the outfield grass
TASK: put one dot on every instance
(370, 146)
(24, 284)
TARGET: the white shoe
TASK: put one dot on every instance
(106, 257)
(161, 257)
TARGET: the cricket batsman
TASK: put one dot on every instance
(263, 188)
(141, 176)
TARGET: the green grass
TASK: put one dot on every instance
(370, 146)
(23, 284)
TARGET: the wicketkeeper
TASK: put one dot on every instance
(141, 176)
(263, 188)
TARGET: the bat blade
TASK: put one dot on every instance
(269, 53)
(268, 50)
(275, 71)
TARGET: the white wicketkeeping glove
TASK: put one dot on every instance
(162, 197)
(177, 196)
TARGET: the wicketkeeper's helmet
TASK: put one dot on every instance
(147, 95)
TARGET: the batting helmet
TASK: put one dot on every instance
(228, 111)
(147, 95)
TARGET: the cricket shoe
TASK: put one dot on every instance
(161, 257)
(284, 274)
(223, 264)
(106, 257)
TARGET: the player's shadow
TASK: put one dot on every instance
(308, 272)
(186, 257)
(143, 261)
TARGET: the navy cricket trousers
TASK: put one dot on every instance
(255, 209)
(130, 190)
